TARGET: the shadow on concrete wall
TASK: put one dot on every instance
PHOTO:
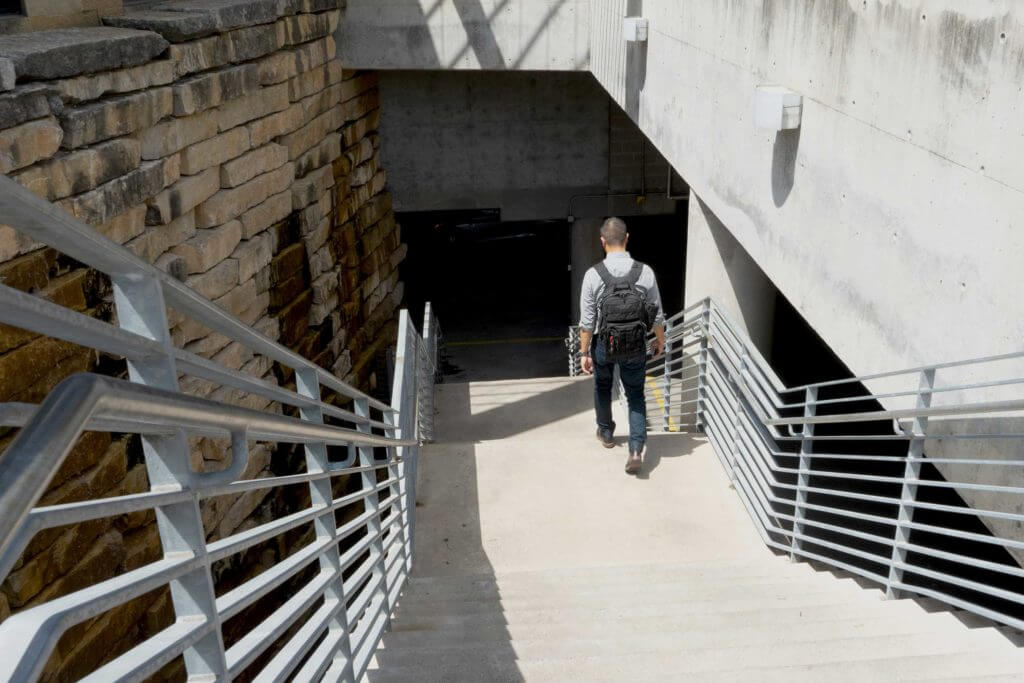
(784, 152)
(479, 36)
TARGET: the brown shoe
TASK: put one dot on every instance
(606, 439)
(634, 463)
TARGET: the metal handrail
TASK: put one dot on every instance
(363, 561)
(804, 504)
(46, 223)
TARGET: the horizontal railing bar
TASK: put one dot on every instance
(46, 223)
(908, 393)
(153, 653)
(883, 415)
(74, 513)
(910, 371)
(290, 479)
(973, 511)
(237, 599)
(368, 641)
(992, 540)
(203, 368)
(23, 632)
(32, 313)
(289, 656)
(319, 664)
(259, 638)
(1012, 570)
(961, 582)
(226, 547)
(363, 597)
(16, 414)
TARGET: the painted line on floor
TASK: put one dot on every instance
(494, 342)
(660, 398)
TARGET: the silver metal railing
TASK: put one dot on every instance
(340, 584)
(911, 479)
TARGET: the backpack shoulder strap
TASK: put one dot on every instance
(606, 275)
(635, 273)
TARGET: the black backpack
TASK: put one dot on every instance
(625, 317)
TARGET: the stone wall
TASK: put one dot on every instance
(225, 143)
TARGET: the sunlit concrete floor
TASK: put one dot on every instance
(518, 481)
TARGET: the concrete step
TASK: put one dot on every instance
(839, 665)
(511, 584)
(702, 599)
(639, 588)
(703, 654)
(671, 617)
(765, 562)
(687, 632)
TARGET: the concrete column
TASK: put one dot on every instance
(717, 266)
(586, 251)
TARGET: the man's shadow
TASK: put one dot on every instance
(660, 445)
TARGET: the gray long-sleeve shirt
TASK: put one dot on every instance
(618, 264)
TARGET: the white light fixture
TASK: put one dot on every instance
(777, 108)
(634, 29)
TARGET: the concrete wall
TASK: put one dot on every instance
(466, 34)
(717, 266)
(522, 142)
(890, 219)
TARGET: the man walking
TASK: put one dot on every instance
(619, 305)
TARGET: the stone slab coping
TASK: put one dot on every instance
(61, 53)
(183, 20)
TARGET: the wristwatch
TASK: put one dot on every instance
(585, 355)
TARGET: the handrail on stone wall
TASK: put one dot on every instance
(362, 541)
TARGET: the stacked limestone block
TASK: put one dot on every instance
(223, 142)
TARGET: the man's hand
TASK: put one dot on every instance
(586, 362)
(657, 347)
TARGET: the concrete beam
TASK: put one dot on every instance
(496, 35)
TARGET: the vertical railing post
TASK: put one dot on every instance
(908, 494)
(804, 473)
(666, 381)
(141, 309)
(427, 374)
(702, 366)
(737, 421)
(397, 494)
(371, 505)
(405, 414)
(307, 383)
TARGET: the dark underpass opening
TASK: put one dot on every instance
(503, 291)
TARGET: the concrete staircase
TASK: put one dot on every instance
(539, 560)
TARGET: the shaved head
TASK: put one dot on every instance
(613, 231)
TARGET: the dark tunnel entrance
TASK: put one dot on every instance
(503, 291)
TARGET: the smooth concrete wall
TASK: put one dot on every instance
(891, 219)
(551, 35)
(522, 142)
(717, 266)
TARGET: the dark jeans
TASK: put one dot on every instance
(632, 373)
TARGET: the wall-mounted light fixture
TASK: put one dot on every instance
(634, 29)
(777, 108)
